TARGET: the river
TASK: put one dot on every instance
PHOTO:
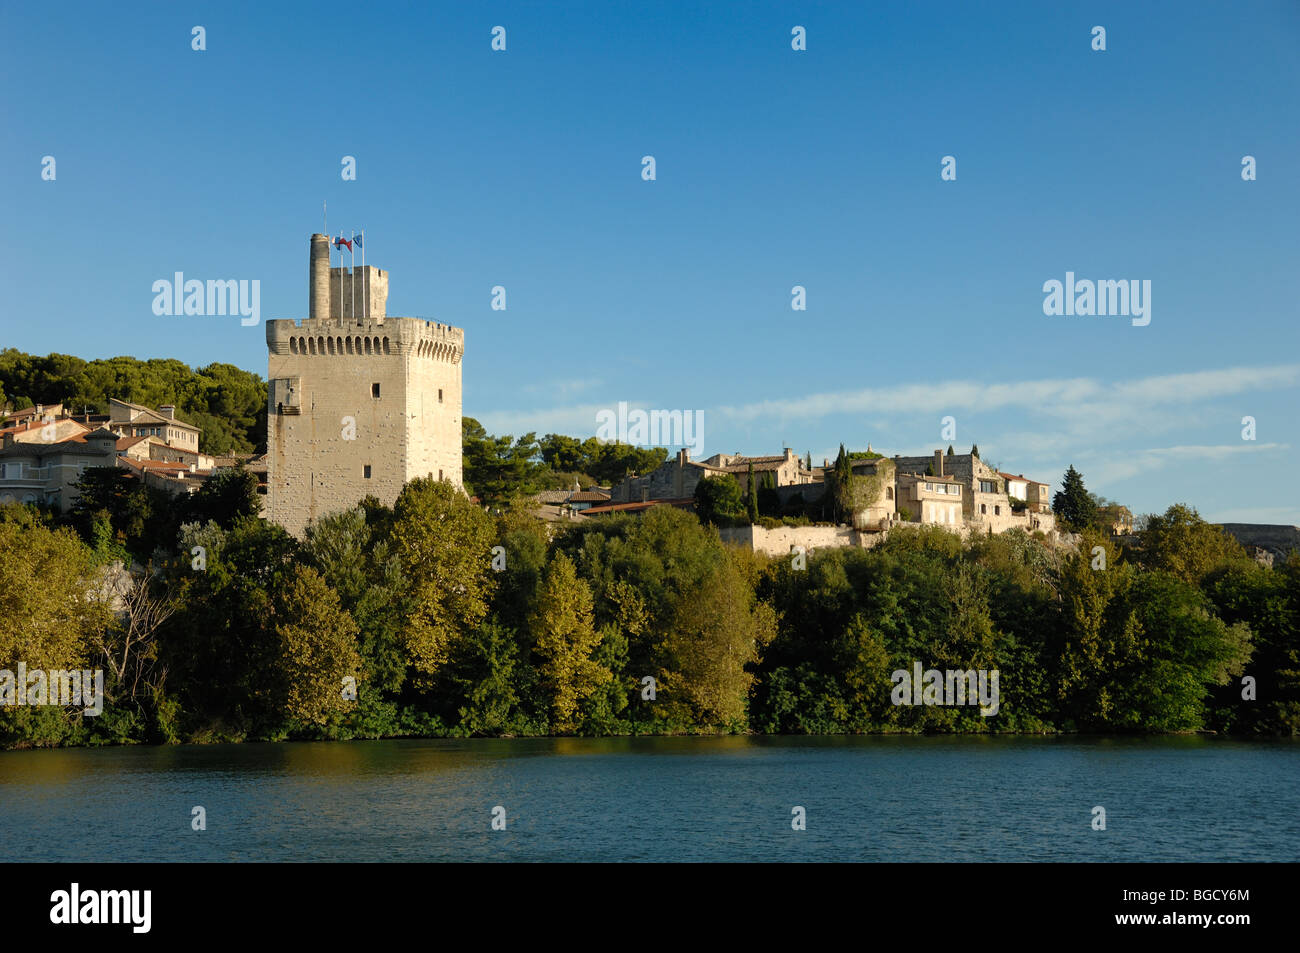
(890, 798)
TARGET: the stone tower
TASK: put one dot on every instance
(359, 403)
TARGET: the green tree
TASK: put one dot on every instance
(715, 638)
(718, 500)
(1182, 543)
(443, 542)
(751, 496)
(226, 497)
(769, 500)
(486, 674)
(1073, 504)
(49, 606)
(495, 468)
(318, 649)
(356, 559)
(840, 488)
(565, 638)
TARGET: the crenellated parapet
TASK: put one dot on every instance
(322, 337)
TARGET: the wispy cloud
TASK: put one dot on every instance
(1108, 469)
(1083, 399)
(577, 421)
(565, 388)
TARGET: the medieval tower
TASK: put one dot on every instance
(359, 403)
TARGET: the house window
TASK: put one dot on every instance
(984, 508)
(440, 395)
(374, 390)
(365, 472)
(997, 511)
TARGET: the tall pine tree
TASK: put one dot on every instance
(1073, 504)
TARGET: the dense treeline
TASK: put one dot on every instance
(227, 403)
(450, 620)
(500, 469)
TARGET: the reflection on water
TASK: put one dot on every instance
(875, 798)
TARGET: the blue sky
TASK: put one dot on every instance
(775, 168)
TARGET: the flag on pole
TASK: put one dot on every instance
(340, 242)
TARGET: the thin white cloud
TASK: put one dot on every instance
(1105, 469)
(1076, 397)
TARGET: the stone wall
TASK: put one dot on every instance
(777, 542)
(325, 423)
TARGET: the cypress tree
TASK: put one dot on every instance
(1073, 504)
(751, 504)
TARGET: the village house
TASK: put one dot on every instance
(43, 451)
(677, 477)
(47, 473)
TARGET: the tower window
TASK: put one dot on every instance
(374, 390)
(365, 471)
(440, 395)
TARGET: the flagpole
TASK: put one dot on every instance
(365, 302)
(353, 248)
(340, 282)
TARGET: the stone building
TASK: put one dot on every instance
(676, 478)
(133, 420)
(359, 402)
(47, 473)
(1036, 496)
(931, 499)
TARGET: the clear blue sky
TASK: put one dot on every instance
(775, 168)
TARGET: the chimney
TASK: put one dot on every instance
(318, 278)
(683, 457)
(938, 463)
(168, 411)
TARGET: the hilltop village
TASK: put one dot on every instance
(359, 403)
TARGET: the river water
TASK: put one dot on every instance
(895, 798)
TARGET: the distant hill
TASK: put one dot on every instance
(228, 403)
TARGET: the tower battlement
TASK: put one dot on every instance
(416, 337)
(359, 403)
